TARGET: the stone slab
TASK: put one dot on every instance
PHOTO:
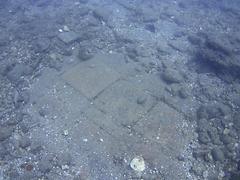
(126, 103)
(91, 77)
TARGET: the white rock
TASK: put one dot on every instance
(65, 132)
(66, 28)
(138, 164)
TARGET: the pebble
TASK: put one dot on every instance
(141, 100)
(65, 132)
(183, 93)
(84, 54)
(171, 76)
(218, 154)
(66, 28)
(138, 164)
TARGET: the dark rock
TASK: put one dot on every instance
(84, 54)
(19, 71)
(180, 158)
(172, 76)
(218, 154)
(203, 137)
(151, 28)
(183, 93)
(24, 142)
(43, 112)
(226, 139)
(5, 132)
(141, 100)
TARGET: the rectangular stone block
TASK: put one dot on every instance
(91, 77)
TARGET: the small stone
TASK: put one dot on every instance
(171, 76)
(181, 158)
(183, 93)
(218, 154)
(226, 131)
(226, 139)
(84, 54)
(65, 132)
(151, 28)
(141, 100)
(43, 112)
(5, 132)
(138, 164)
(66, 28)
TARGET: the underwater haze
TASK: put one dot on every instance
(119, 89)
